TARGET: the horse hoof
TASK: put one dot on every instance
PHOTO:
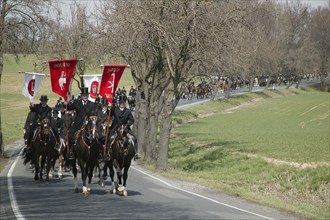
(85, 194)
(121, 188)
(125, 193)
(113, 191)
(89, 189)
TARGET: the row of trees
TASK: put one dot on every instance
(168, 43)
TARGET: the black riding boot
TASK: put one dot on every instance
(70, 155)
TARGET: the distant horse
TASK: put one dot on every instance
(86, 149)
(200, 92)
(42, 145)
(58, 121)
(121, 154)
(191, 91)
(131, 102)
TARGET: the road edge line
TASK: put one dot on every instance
(12, 197)
(201, 196)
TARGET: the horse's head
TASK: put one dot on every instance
(122, 132)
(45, 125)
(91, 127)
(122, 140)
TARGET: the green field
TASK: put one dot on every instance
(270, 147)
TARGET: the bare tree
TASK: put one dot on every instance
(320, 36)
(22, 25)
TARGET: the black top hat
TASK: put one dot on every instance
(84, 90)
(43, 98)
(104, 102)
(122, 98)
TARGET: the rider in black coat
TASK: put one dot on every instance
(103, 111)
(41, 111)
(83, 108)
(122, 116)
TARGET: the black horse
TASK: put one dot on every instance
(120, 156)
(86, 150)
(42, 145)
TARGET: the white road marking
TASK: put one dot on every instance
(201, 196)
(19, 215)
(11, 192)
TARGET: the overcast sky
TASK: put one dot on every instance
(90, 3)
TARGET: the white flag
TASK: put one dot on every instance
(93, 84)
(31, 84)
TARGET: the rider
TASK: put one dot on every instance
(41, 111)
(83, 107)
(132, 92)
(123, 116)
(103, 112)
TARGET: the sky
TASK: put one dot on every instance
(65, 4)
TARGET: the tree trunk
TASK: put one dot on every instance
(251, 84)
(298, 83)
(141, 124)
(214, 90)
(290, 84)
(165, 130)
(2, 28)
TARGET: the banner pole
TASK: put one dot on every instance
(106, 132)
(67, 127)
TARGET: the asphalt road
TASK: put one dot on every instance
(150, 196)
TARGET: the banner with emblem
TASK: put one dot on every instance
(110, 80)
(31, 84)
(92, 82)
(61, 72)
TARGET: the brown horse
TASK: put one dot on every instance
(86, 150)
(42, 145)
(121, 152)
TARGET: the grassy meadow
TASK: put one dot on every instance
(270, 147)
(15, 106)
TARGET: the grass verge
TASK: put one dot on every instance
(270, 147)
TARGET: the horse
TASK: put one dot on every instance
(42, 145)
(121, 151)
(58, 120)
(86, 150)
(131, 102)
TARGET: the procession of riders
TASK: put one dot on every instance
(226, 84)
(66, 119)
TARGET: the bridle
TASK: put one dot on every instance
(122, 141)
(44, 133)
(89, 131)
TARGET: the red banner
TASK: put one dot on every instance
(110, 80)
(61, 72)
